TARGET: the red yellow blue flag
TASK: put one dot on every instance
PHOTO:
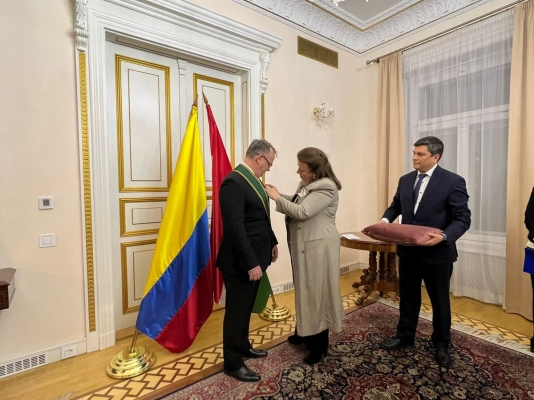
(220, 167)
(178, 295)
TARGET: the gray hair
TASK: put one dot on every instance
(434, 145)
(259, 146)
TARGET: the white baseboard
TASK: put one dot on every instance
(107, 340)
(284, 287)
(47, 356)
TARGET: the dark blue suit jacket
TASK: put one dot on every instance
(443, 206)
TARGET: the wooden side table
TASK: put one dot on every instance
(381, 275)
(7, 286)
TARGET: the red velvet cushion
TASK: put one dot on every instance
(406, 235)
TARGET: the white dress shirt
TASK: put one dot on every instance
(424, 184)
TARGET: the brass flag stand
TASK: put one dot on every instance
(131, 362)
(275, 313)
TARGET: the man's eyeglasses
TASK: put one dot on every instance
(270, 164)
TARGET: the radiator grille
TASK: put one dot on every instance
(288, 286)
(23, 364)
(481, 277)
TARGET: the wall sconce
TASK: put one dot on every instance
(322, 113)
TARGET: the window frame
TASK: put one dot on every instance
(483, 242)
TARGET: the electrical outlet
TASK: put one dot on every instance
(68, 351)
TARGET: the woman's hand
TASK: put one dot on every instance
(272, 191)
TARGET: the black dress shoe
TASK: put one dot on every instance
(313, 358)
(254, 353)
(443, 357)
(394, 343)
(243, 374)
(295, 339)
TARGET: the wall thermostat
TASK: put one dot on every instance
(46, 203)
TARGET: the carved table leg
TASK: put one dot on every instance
(372, 276)
(382, 270)
(364, 279)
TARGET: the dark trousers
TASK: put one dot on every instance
(240, 297)
(437, 281)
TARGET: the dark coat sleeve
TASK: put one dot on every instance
(395, 209)
(529, 217)
(460, 215)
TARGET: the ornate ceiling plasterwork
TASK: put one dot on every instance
(359, 23)
(324, 24)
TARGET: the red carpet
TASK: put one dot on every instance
(356, 368)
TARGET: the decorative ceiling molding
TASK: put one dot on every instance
(358, 23)
(190, 16)
(324, 24)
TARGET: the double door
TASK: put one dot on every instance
(149, 98)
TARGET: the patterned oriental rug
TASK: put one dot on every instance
(356, 368)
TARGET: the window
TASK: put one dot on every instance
(465, 102)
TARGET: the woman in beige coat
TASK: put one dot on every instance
(314, 248)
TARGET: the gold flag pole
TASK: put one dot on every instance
(275, 313)
(131, 362)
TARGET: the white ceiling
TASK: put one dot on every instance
(367, 10)
(360, 26)
(370, 10)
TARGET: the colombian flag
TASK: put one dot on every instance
(178, 295)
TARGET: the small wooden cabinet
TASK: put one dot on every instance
(7, 286)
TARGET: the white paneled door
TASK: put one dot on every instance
(149, 97)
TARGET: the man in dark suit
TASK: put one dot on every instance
(248, 247)
(429, 196)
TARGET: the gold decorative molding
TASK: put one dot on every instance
(196, 78)
(122, 212)
(126, 309)
(87, 192)
(245, 110)
(166, 70)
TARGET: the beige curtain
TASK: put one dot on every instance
(518, 297)
(391, 154)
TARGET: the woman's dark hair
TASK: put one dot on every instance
(318, 163)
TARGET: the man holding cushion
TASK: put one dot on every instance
(434, 197)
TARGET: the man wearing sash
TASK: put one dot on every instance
(247, 248)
